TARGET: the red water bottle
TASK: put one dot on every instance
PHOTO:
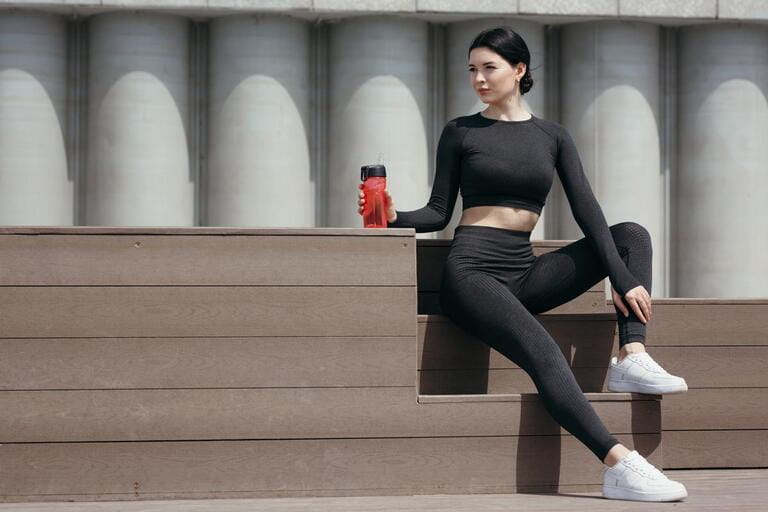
(374, 179)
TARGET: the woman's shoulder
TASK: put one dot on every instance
(462, 121)
(553, 128)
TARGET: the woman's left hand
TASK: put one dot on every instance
(640, 300)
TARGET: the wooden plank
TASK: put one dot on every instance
(237, 260)
(709, 490)
(207, 362)
(303, 467)
(135, 311)
(716, 409)
(444, 345)
(507, 380)
(705, 322)
(203, 230)
(586, 303)
(715, 448)
(531, 397)
(282, 413)
(450, 349)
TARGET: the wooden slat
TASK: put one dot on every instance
(237, 260)
(585, 341)
(256, 362)
(202, 230)
(715, 448)
(507, 380)
(281, 468)
(284, 413)
(531, 397)
(717, 409)
(712, 367)
(586, 303)
(704, 322)
(73, 311)
(453, 361)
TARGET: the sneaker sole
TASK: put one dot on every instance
(619, 493)
(624, 386)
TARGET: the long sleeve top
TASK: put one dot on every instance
(511, 163)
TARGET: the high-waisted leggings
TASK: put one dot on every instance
(493, 284)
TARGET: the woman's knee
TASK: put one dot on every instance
(633, 235)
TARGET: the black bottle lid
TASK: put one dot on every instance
(372, 170)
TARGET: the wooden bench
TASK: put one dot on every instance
(158, 363)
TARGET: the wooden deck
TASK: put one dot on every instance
(729, 489)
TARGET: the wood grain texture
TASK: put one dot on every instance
(284, 413)
(715, 448)
(181, 260)
(207, 362)
(716, 409)
(163, 311)
(311, 467)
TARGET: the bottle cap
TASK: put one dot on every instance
(372, 170)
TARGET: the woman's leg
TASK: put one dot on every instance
(486, 308)
(562, 275)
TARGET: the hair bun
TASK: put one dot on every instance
(526, 82)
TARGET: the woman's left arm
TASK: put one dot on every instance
(588, 214)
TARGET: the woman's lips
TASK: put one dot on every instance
(481, 91)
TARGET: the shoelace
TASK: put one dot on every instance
(645, 468)
(646, 361)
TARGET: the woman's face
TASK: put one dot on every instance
(491, 76)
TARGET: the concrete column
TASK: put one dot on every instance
(35, 185)
(611, 103)
(378, 112)
(138, 170)
(260, 123)
(720, 198)
(461, 99)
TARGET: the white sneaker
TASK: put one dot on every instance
(634, 478)
(639, 373)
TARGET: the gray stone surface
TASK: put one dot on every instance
(276, 5)
(570, 7)
(366, 5)
(669, 9)
(743, 9)
(544, 11)
(464, 6)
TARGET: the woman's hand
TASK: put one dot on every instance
(389, 203)
(638, 298)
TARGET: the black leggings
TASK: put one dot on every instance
(492, 285)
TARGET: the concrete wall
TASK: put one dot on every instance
(181, 113)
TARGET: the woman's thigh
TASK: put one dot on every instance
(485, 307)
(562, 275)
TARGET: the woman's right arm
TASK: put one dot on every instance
(437, 213)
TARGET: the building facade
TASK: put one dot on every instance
(260, 113)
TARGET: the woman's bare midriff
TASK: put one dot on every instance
(504, 217)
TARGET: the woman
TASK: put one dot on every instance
(504, 158)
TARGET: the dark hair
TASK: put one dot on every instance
(507, 43)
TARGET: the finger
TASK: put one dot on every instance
(638, 311)
(621, 307)
(647, 309)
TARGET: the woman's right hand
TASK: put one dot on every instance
(388, 202)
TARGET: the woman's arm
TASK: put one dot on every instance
(437, 213)
(588, 214)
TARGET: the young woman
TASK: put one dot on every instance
(504, 158)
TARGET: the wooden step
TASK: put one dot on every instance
(302, 467)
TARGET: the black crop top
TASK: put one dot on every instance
(512, 163)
